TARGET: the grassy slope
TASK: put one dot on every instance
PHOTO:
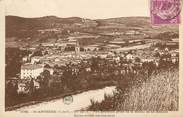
(158, 94)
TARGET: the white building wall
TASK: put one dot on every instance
(28, 73)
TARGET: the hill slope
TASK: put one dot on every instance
(160, 93)
(51, 28)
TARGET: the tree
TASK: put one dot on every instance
(37, 53)
(11, 92)
(13, 61)
(46, 74)
(56, 66)
(47, 66)
(67, 78)
(82, 49)
(43, 79)
(137, 59)
(94, 64)
(31, 86)
(46, 52)
(157, 54)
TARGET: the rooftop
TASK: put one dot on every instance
(117, 42)
(31, 66)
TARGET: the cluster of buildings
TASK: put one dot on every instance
(33, 66)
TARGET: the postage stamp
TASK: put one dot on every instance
(165, 11)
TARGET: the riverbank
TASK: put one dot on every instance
(47, 99)
(80, 101)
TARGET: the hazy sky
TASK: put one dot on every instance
(94, 9)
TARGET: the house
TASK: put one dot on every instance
(25, 59)
(103, 56)
(148, 60)
(175, 60)
(117, 42)
(116, 58)
(166, 49)
(75, 70)
(31, 70)
(35, 59)
(91, 48)
(171, 44)
(23, 86)
(175, 40)
(57, 59)
(112, 46)
(175, 57)
(174, 54)
(47, 44)
(132, 32)
(156, 49)
(88, 69)
(111, 54)
(129, 56)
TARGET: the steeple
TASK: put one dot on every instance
(77, 48)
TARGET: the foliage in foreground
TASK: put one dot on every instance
(158, 93)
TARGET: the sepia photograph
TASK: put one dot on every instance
(92, 56)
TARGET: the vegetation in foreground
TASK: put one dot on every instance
(157, 94)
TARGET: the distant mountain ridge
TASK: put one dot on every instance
(22, 28)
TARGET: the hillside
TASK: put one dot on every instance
(158, 94)
(52, 28)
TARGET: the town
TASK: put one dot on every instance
(49, 69)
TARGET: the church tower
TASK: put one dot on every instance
(77, 48)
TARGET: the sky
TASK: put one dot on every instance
(93, 9)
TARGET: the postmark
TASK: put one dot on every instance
(165, 11)
(68, 100)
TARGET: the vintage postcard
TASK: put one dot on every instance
(91, 58)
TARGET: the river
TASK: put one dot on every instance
(80, 101)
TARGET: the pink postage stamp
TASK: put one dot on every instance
(165, 11)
